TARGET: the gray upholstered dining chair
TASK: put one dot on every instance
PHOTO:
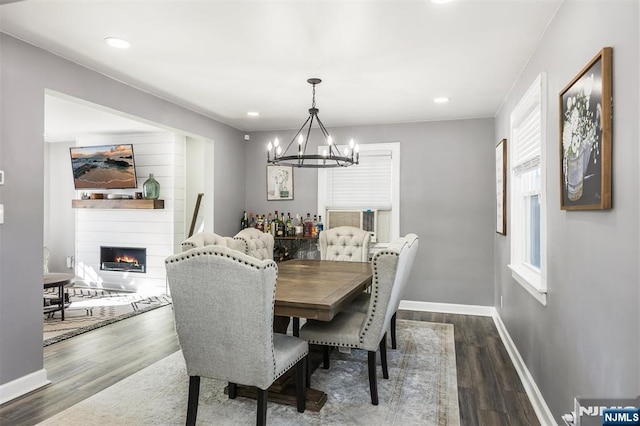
(361, 303)
(344, 243)
(258, 244)
(202, 239)
(223, 302)
(365, 330)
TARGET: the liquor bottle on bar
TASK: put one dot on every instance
(243, 222)
(281, 226)
(269, 224)
(260, 223)
(314, 226)
(252, 220)
(320, 225)
(299, 227)
(307, 226)
(290, 232)
(275, 225)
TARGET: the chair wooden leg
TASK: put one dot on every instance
(296, 327)
(373, 384)
(325, 357)
(192, 404)
(393, 331)
(301, 388)
(261, 419)
(307, 361)
(383, 356)
(233, 390)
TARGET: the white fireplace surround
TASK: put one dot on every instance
(159, 231)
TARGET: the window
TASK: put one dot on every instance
(528, 195)
(373, 184)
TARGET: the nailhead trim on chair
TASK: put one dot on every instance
(374, 295)
(200, 251)
(273, 353)
(344, 345)
(289, 367)
(246, 249)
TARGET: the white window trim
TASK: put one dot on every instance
(394, 147)
(532, 279)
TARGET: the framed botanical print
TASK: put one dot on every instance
(585, 137)
(279, 183)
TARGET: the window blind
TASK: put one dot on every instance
(527, 131)
(363, 186)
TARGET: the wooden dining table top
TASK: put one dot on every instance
(319, 289)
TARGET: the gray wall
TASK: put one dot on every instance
(446, 187)
(25, 73)
(585, 342)
(59, 218)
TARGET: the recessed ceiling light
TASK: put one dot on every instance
(441, 1)
(253, 113)
(116, 42)
(441, 100)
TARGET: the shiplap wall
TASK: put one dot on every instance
(159, 231)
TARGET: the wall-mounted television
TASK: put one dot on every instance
(103, 167)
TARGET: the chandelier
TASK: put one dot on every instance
(331, 155)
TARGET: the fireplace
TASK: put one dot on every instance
(123, 259)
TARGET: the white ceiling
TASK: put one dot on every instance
(380, 61)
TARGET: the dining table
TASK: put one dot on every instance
(318, 290)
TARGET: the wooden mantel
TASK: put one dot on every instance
(117, 204)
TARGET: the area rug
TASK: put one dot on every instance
(93, 308)
(421, 390)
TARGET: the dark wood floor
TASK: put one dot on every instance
(489, 390)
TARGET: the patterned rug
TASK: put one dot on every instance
(421, 390)
(94, 308)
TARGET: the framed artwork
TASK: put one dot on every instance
(501, 187)
(585, 137)
(279, 183)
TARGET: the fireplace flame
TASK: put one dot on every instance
(126, 259)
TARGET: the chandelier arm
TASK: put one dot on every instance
(306, 142)
(326, 135)
(290, 160)
(296, 135)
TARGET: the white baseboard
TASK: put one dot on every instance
(533, 392)
(23, 385)
(448, 308)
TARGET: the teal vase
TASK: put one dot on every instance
(150, 188)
